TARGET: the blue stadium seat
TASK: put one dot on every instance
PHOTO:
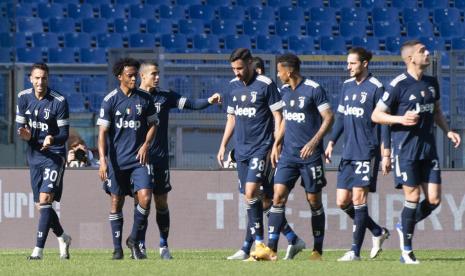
(206, 43)
(78, 40)
(188, 2)
(143, 11)
(191, 26)
(385, 14)
(415, 15)
(301, 44)
(110, 40)
(369, 42)
(256, 27)
(176, 43)
(270, 44)
(5, 26)
(97, 56)
(249, 3)
(310, 3)
(142, 40)
(323, 14)
(130, 25)
(372, 3)
(279, 3)
(94, 85)
(433, 4)
(158, 2)
(5, 55)
(47, 10)
(159, 27)
(235, 13)
(128, 2)
(416, 29)
(66, 85)
(354, 14)
(352, 28)
(203, 12)
(49, 40)
(458, 43)
(21, 9)
(262, 13)
(95, 101)
(93, 2)
(172, 12)
(451, 29)
(237, 41)
(16, 40)
(80, 11)
(62, 25)
(446, 15)
(317, 28)
(288, 28)
(76, 103)
(460, 4)
(386, 28)
(224, 27)
(94, 25)
(404, 3)
(341, 3)
(110, 11)
(292, 13)
(218, 3)
(29, 55)
(434, 43)
(61, 55)
(333, 44)
(393, 44)
(29, 25)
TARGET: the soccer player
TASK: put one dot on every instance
(358, 168)
(127, 128)
(299, 148)
(164, 100)
(411, 105)
(295, 244)
(253, 103)
(42, 119)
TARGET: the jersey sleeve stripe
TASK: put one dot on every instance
(61, 123)
(20, 119)
(152, 118)
(230, 110)
(102, 122)
(276, 106)
(341, 109)
(323, 107)
(382, 105)
(181, 103)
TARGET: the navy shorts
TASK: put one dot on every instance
(47, 176)
(128, 181)
(414, 172)
(312, 175)
(161, 180)
(358, 173)
(257, 170)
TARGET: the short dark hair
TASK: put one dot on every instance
(40, 66)
(258, 63)
(410, 43)
(240, 53)
(118, 67)
(363, 54)
(289, 60)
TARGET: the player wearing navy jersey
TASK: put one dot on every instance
(358, 168)
(164, 101)
(298, 146)
(127, 128)
(411, 105)
(253, 104)
(42, 119)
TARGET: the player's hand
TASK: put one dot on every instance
(410, 118)
(48, 141)
(386, 165)
(329, 152)
(275, 154)
(24, 133)
(71, 155)
(454, 137)
(142, 154)
(220, 156)
(102, 170)
(215, 99)
(309, 148)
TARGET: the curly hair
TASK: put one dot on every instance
(118, 67)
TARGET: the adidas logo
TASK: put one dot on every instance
(258, 175)
(365, 178)
(28, 112)
(117, 113)
(412, 97)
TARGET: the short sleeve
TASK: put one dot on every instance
(105, 116)
(273, 97)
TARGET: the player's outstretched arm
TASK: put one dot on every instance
(102, 147)
(381, 116)
(228, 131)
(202, 103)
(441, 121)
(309, 148)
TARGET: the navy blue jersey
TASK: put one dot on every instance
(252, 106)
(362, 137)
(48, 116)
(406, 93)
(127, 119)
(302, 108)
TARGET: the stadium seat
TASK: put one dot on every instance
(5, 55)
(354, 14)
(333, 44)
(204, 43)
(29, 25)
(21, 9)
(94, 25)
(341, 3)
(301, 44)
(316, 29)
(29, 55)
(323, 14)
(159, 27)
(433, 4)
(224, 27)
(97, 56)
(369, 4)
(237, 41)
(175, 43)
(404, 3)
(288, 28)
(128, 2)
(279, 3)
(310, 3)
(110, 11)
(143, 11)
(446, 15)
(78, 40)
(92, 2)
(256, 27)
(460, 4)
(292, 14)
(393, 44)
(93, 85)
(235, 13)
(61, 55)
(5, 26)
(434, 43)
(386, 28)
(370, 42)
(130, 25)
(249, 3)
(218, 3)
(47, 10)
(416, 29)
(191, 26)
(262, 13)
(158, 2)
(188, 2)
(110, 40)
(458, 43)
(269, 44)
(451, 29)
(142, 40)
(385, 14)
(415, 15)
(352, 28)
(62, 25)
(172, 12)
(49, 40)
(76, 103)
(16, 40)
(80, 11)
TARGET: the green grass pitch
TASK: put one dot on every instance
(213, 262)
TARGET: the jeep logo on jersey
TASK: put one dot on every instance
(128, 124)
(364, 97)
(245, 111)
(299, 117)
(420, 108)
(47, 113)
(355, 111)
(254, 96)
(138, 109)
(38, 125)
(301, 102)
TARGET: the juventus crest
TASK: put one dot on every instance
(301, 102)
(46, 113)
(364, 97)
(254, 96)
(138, 109)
